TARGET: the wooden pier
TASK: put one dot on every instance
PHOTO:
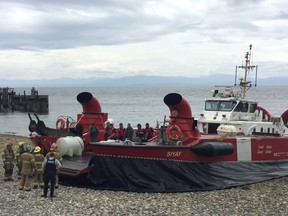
(10, 101)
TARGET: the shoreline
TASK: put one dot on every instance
(264, 198)
(14, 138)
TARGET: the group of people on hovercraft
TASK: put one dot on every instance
(121, 133)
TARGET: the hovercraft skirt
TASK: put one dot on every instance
(148, 175)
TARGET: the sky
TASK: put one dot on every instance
(112, 38)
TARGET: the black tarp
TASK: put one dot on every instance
(148, 175)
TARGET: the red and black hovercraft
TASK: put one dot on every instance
(234, 142)
(178, 158)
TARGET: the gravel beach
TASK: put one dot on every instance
(266, 198)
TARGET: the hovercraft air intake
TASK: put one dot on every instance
(89, 103)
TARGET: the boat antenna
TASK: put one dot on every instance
(256, 75)
(235, 81)
(245, 85)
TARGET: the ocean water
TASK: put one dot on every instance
(133, 105)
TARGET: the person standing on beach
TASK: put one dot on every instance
(27, 164)
(8, 160)
(57, 155)
(19, 152)
(38, 174)
(51, 167)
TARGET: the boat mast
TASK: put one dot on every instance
(244, 84)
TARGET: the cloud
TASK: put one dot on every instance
(68, 24)
(58, 24)
(116, 38)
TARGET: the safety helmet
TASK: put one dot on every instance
(27, 148)
(9, 143)
(108, 122)
(21, 144)
(111, 121)
(37, 149)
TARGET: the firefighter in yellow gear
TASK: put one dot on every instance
(38, 173)
(8, 160)
(20, 151)
(57, 155)
(27, 164)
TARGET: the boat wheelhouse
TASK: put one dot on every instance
(228, 106)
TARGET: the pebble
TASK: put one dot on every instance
(266, 198)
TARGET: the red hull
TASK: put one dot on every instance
(261, 149)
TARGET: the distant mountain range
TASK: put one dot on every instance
(141, 80)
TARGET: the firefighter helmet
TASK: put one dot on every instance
(9, 143)
(37, 149)
(21, 144)
(27, 148)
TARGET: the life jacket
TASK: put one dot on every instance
(50, 168)
(149, 132)
(112, 131)
(120, 132)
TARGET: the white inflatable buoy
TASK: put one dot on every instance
(226, 130)
(70, 145)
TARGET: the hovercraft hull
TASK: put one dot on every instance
(178, 158)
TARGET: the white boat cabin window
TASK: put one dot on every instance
(212, 105)
(245, 107)
(241, 107)
(253, 107)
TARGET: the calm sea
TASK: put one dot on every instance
(134, 105)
